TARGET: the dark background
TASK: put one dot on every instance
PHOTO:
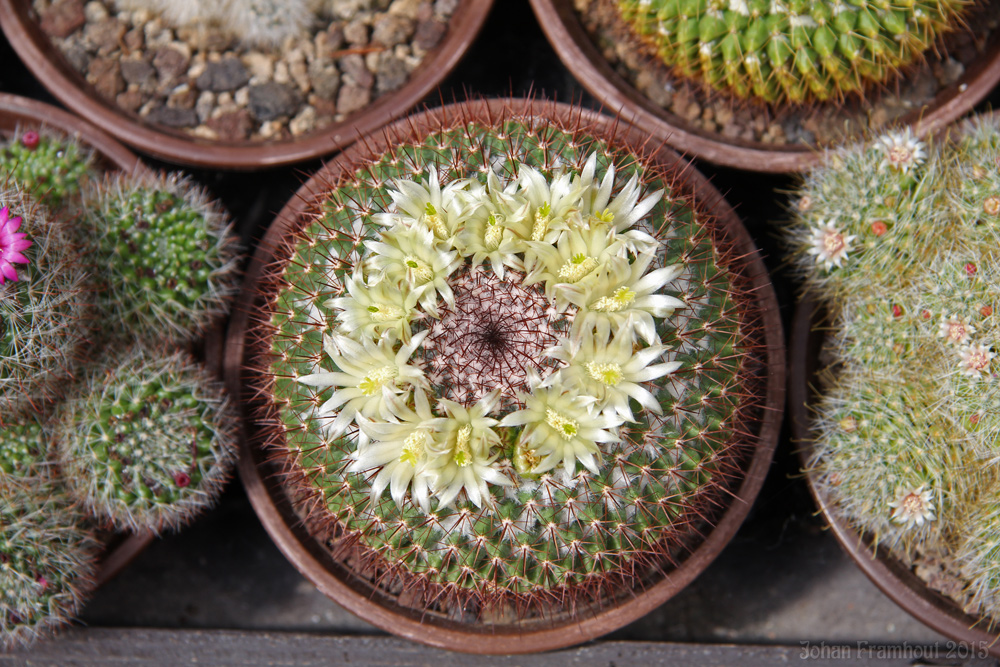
(782, 579)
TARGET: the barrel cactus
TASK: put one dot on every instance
(907, 433)
(48, 559)
(147, 441)
(793, 51)
(50, 167)
(166, 252)
(509, 362)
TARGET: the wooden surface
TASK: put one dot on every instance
(221, 647)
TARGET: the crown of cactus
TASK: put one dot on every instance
(147, 443)
(43, 304)
(47, 559)
(792, 51)
(908, 432)
(509, 362)
(264, 23)
(166, 252)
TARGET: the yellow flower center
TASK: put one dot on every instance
(463, 452)
(609, 374)
(413, 448)
(384, 313)
(541, 222)
(434, 222)
(577, 268)
(374, 381)
(526, 460)
(606, 216)
(567, 428)
(494, 233)
(418, 271)
(621, 300)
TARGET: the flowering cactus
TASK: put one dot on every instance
(907, 430)
(526, 346)
(44, 310)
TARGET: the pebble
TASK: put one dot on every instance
(200, 80)
(272, 100)
(225, 75)
(63, 18)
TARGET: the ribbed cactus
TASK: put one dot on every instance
(47, 559)
(147, 442)
(166, 253)
(792, 51)
(907, 431)
(44, 316)
(51, 168)
(508, 362)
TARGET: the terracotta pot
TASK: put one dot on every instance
(375, 605)
(887, 572)
(46, 62)
(19, 112)
(583, 58)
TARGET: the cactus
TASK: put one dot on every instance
(48, 166)
(794, 51)
(551, 391)
(907, 431)
(167, 254)
(261, 23)
(147, 443)
(48, 560)
(24, 448)
(43, 304)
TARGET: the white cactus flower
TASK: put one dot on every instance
(626, 294)
(912, 506)
(369, 375)
(829, 245)
(370, 312)
(408, 257)
(612, 372)
(560, 428)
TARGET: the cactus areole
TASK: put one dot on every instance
(512, 371)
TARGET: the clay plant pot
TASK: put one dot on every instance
(578, 52)
(21, 25)
(19, 112)
(502, 635)
(886, 571)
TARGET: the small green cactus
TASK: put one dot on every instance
(907, 431)
(47, 560)
(24, 448)
(461, 350)
(792, 51)
(147, 442)
(166, 253)
(44, 313)
(48, 166)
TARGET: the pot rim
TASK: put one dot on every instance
(890, 575)
(37, 52)
(509, 639)
(582, 57)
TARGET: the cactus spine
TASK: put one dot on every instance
(436, 436)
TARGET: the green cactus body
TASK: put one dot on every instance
(580, 530)
(24, 448)
(793, 51)
(50, 168)
(167, 253)
(44, 314)
(907, 432)
(147, 444)
(48, 560)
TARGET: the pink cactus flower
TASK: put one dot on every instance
(12, 243)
